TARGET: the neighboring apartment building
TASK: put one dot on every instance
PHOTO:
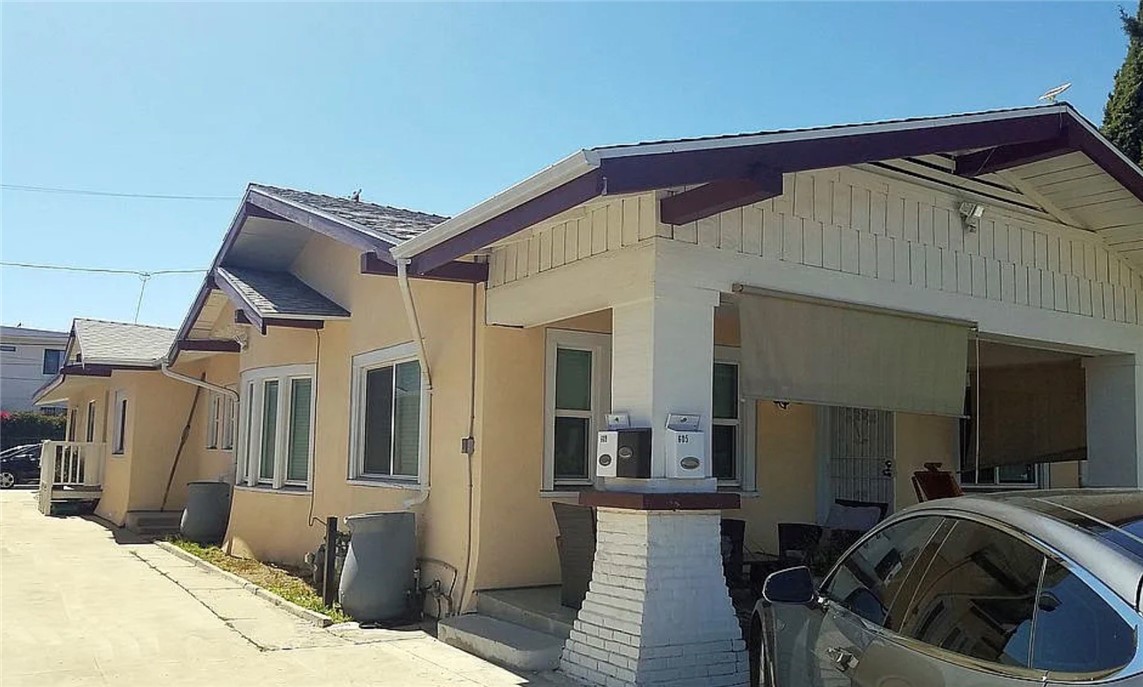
(28, 359)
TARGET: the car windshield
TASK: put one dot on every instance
(1114, 516)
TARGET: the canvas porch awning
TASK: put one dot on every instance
(1029, 414)
(831, 354)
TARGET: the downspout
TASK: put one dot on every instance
(203, 384)
(426, 376)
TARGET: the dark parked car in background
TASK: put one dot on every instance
(1023, 588)
(20, 465)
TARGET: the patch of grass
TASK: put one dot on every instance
(286, 582)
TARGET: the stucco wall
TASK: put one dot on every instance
(922, 439)
(276, 526)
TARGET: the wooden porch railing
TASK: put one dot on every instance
(70, 470)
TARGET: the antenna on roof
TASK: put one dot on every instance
(355, 196)
(1053, 93)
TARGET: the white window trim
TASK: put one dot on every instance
(89, 425)
(600, 347)
(119, 422)
(251, 460)
(745, 451)
(221, 422)
(361, 364)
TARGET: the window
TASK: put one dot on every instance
(978, 596)
(119, 428)
(872, 578)
(577, 395)
(89, 429)
(390, 414)
(220, 422)
(52, 359)
(1075, 630)
(726, 424)
(72, 420)
(276, 435)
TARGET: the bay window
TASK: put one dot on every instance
(276, 432)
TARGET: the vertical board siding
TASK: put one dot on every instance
(857, 222)
(598, 228)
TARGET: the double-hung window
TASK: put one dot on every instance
(119, 422)
(726, 419)
(276, 433)
(389, 415)
(220, 422)
(577, 396)
(53, 360)
(89, 428)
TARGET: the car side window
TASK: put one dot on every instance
(977, 597)
(1076, 631)
(869, 580)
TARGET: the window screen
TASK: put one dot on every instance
(872, 578)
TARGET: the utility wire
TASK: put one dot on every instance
(143, 276)
(110, 194)
(95, 270)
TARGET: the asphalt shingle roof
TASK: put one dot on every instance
(382, 221)
(279, 294)
(120, 342)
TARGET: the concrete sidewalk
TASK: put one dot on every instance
(79, 608)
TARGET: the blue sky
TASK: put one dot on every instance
(435, 107)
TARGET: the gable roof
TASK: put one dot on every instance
(277, 294)
(386, 223)
(731, 171)
(101, 342)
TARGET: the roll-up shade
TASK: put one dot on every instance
(833, 355)
(1031, 414)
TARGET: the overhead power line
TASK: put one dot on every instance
(143, 275)
(96, 270)
(109, 194)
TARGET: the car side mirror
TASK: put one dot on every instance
(789, 586)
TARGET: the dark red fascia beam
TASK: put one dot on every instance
(1005, 157)
(455, 271)
(719, 196)
(244, 317)
(81, 370)
(650, 171)
(209, 345)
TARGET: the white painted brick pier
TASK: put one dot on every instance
(657, 612)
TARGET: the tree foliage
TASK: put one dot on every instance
(1123, 114)
(30, 428)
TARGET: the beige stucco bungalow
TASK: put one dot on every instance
(836, 306)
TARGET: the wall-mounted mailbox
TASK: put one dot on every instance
(623, 453)
(685, 447)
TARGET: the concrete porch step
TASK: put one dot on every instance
(537, 608)
(153, 522)
(508, 644)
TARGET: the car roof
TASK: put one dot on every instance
(1096, 529)
(17, 449)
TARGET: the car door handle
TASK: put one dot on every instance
(843, 660)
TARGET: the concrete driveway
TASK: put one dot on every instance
(79, 608)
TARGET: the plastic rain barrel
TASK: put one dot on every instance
(377, 577)
(207, 512)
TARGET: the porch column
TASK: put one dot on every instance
(1114, 421)
(657, 611)
(662, 361)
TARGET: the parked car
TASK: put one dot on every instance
(1025, 588)
(19, 465)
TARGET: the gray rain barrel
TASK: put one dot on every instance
(377, 578)
(207, 512)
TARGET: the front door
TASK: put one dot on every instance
(859, 458)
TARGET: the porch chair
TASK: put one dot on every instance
(934, 483)
(576, 548)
